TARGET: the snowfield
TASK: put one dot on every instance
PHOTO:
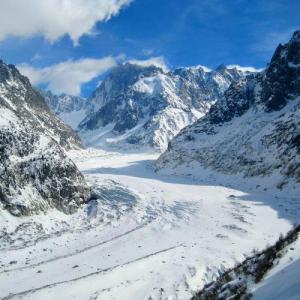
(144, 236)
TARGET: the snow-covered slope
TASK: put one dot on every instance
(147, 106)
(71, 109)
(254, 130)
(270, 274)
(143, 236)
(35, 173)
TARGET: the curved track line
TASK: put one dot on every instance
(11, 296)
(76, 252)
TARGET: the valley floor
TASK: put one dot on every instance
(150, 236)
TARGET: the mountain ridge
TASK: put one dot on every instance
(254, 130)
(145, 106)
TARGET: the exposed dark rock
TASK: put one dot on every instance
(281, 80)
(35, 173)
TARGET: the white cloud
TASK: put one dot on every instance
(158, 61)
(55, 18)
(68, 76)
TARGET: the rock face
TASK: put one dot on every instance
(35, 173)
(146, 106)
(254, 130)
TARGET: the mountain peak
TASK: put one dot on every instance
(145, 106)
(221, 68)
(296, 35)
(10, 72)
(282, 75)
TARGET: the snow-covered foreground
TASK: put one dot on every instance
(149, 236)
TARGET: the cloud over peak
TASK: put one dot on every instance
(56, 18)
(158, 61)
(68, 76)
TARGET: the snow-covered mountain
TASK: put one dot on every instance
(254, 130)
(146, 106)
(70, 109)
(35, 173)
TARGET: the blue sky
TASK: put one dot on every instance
(183, 32)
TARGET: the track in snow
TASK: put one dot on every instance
(24, 293)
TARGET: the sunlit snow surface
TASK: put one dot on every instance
(148, 236)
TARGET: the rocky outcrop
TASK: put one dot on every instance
(35, 173)
(281, 80)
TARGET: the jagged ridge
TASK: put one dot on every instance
(254, 129)
(141, 105)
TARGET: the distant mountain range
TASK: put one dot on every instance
(253, 130)
(70, 109)
(138, 106)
